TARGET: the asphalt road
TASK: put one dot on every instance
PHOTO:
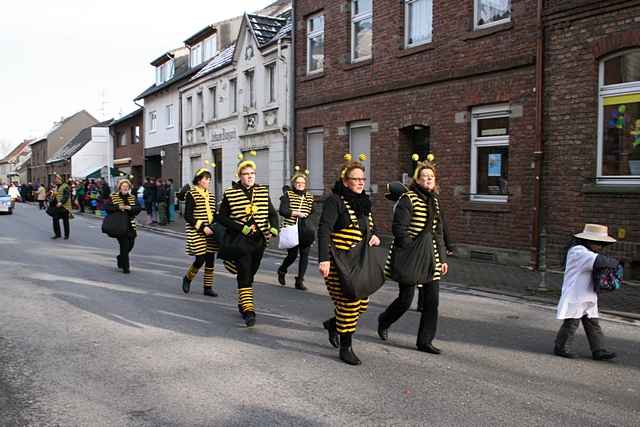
(83, 344)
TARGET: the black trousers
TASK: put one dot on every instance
(592, 329)
(207, 259)
(248, 266)
(292, 254)
(65, 222)
(429, 317)
(81, 203)
(126, 245)
(41, 204)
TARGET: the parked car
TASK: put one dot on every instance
(6, 204)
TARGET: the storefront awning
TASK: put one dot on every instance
(98, 174)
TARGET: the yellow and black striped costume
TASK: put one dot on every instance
(347, 311)
(117, 200)
(419, 218)
(240, 211)
(298, 202)
(197, 242)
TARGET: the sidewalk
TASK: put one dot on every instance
(483, 276)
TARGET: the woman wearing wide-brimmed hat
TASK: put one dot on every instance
(123, 201)
(579, 301)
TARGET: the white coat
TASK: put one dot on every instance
(578, 297)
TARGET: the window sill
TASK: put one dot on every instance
(354, 65)
(611, 189)
(312, 76)
(476, 206)
(411, 50)
(485, 32)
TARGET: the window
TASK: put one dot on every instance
(270, 71)
(315, 160)
(361, 29)
(233, 96)
(196, 55)
(619, 121)
(490, 153)
(170, 116)
(122, 139)
(153, 121)
(315, 44)
(360, 143)
(250, 83)
(418, 22)
(200, 101)
(210, 47)
(165, 72)
(188, 115)
(135, 134)
(491, 12)
(212, 96)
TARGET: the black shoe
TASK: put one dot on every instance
(330, 326)
(66, 237)
(349, 357)
(210, 292)
(300, 284)
(383, 332)
(55, 237)
(249, 318)
(281, 278)
(119, 262)
(564, 353)
(429, 349)
(603, 355)
(186, 285)
(126, 270)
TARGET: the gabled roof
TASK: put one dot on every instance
(76, 143)
(127, 117)
(221, 60)
(265, 28)
(183, 71)
(16, 152)
(162, 58)
(64, 120)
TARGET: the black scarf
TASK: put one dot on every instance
(360, 203)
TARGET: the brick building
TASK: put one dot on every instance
(591, 120)
(127, 138)
(390, 78)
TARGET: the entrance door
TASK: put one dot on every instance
(414, 139)
(217, 172)
(153, 167)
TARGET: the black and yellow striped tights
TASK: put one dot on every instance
(208, 260)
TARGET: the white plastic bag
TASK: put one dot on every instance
(288, 237)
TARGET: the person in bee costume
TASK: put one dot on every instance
(199, 217)
(246, 208)
(296, 204)
(346, 217)
(122, 200)
(418, 210)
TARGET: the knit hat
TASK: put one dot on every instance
(244, 162)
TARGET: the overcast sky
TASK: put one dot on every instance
(59, 57)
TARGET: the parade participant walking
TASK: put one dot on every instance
(246, 208)
(42, 196)
(199, 216)
(579, 301)
(61, 202)
(418, 215)
(346, 219)
(124, 201)
(296, 204)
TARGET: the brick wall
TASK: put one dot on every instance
(574, 45)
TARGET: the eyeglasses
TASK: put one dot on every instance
(357, 179)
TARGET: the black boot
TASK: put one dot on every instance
(119, 262)
(330, 326)
(603, 355)
(346, 352)
(249, 318)
(383, 331)
(186, 285)
(300, 284)
(210, 292)
(563, 352)
(281, 277)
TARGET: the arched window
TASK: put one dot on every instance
(619, 119)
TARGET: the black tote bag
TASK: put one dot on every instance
(412, 265)
(116, 225)
(361, 269)
(234, 245)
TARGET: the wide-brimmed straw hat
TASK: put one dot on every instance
(596, 233)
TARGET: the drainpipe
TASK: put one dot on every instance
(537, 234)
(291, 92)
